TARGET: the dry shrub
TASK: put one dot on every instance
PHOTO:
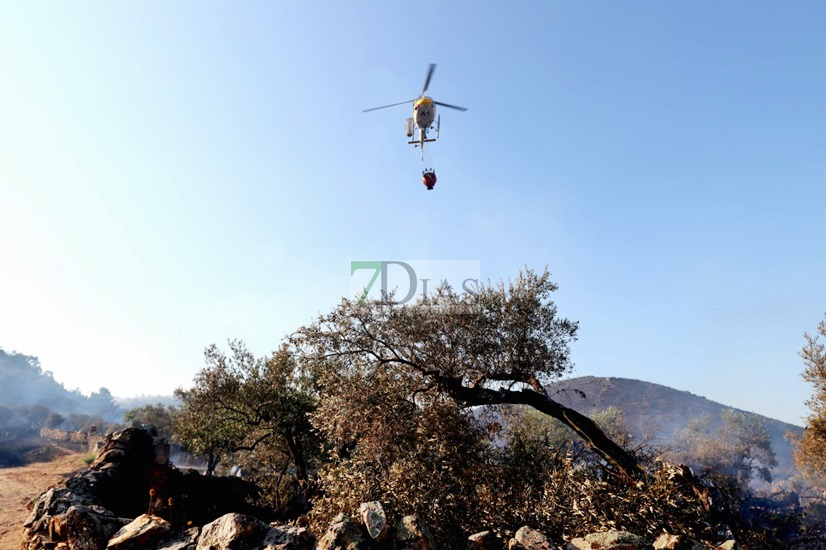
(427, 461)
(566, 498)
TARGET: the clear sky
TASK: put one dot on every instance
(176, 174)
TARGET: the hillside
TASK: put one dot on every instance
(29, 395)
(658, 412)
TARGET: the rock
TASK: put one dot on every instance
(179, 545)
(287, 537)
(413, 534)
(610, 540)
(187, 541)
(342, 534)
(84, 527)
(51, 503)
(530, 539)
(677, 542)
(233, 532)
(374, 519)
(486, 540)
(144, 531)
(132, 476)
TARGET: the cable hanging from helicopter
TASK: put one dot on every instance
(423, 119)
(428, 173)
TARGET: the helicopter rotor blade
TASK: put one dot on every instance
(428, 77)
(450, 106)
(386, 106)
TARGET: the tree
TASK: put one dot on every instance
(499, 345)
(36, 415)
(240, 403)
(203, 422)
(160, 416)
(102, 402)
(54, 420)
(6, 416)
(810, 449)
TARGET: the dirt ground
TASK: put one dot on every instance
(19, 485)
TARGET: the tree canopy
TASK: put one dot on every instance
(259, 406)
(498, 345)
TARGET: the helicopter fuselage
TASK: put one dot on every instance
(424, 112)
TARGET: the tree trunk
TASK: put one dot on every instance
(624, 464)
(297, 450)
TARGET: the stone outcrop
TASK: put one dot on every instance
(130, 478)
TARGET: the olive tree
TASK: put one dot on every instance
(499, 345)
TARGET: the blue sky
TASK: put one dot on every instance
(178, 174)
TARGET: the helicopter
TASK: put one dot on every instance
(424, 113)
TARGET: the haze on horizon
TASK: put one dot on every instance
(179, 175)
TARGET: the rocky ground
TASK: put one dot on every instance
(19, 485)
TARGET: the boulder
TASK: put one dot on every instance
(375, 520)
(413, 534)
(287, 537)
(84, 527)
(343, 533)
(530, 539)
(610, 540)
(52, 502)
(144, 531)
(486, 540)
(233, 532)
(186, 541)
